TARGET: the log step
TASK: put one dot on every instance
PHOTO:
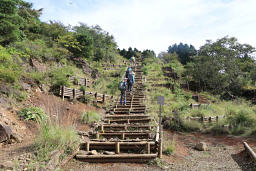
(127, 158)
(123, 136)
(128, 121)
(127, 116)
(124, 127)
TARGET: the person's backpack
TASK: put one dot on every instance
(133, 79)
(128, 71)
(130, 78)
(121, 86)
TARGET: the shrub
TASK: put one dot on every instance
(55, 137)
(170, 148)
(37, 76)
(60, 76)
(240, 118)
(33, 113)
(90, 117)
(82, 88)
(182, 125)
(10, 72)
(218, 128)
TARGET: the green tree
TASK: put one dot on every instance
(184, 51)
(10, 22)
(218, 66)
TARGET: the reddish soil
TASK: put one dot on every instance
(63, 112)
(220, 148)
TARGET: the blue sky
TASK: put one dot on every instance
(156, 24)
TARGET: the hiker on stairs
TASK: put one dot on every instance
(123, 88)
(128, 71)
(132, 61)
(131, 81)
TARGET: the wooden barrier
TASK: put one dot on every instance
(73, 93)
(206, 119)
(249, 150)
(80, 81)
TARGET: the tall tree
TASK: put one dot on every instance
(184, 51)
(218, 66)
(10, 22)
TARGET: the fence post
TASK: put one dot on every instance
(62, 92)
(103, 98)
(74, 94)
(96, 94)
(84, 96)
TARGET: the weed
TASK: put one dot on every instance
(52, 137)
(90, 117)
(158, 162)
(37, 76)
(33, 113)
(170, 148)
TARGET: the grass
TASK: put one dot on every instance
(55, 137)
(170, 147)
(239, 114)
(90, 117)
(107, 84)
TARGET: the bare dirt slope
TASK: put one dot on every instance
(64, 112)
(224, 152)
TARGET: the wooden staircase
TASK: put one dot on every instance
(126, 133)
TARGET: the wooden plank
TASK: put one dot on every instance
(117, 156)
(249, 150)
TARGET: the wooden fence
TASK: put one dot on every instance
(80, 81)
(206, 119)
(73, 93)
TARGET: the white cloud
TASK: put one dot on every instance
(156, 24)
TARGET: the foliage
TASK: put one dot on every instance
(130, 52)
(10, 71)
(33, 113)
(218, 66)
(170, 147)
(37, 76)
(90, 117)
(158, 162)
(10, 22)
(184, 52)
(55, 137)
(168, 57)
(148, 54)
(38, 49)
(60, 76)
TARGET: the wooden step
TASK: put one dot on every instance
(127, 158)
(124, 127)
(127, 120)
(127, 116)
(94, 145)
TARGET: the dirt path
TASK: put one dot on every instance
(224, 153)
(75, 165)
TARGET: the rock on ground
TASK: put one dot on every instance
(201, 146)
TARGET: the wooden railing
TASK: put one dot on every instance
(73, 93)
(206, 119)
(80, 81)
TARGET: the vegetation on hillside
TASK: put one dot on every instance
(218, 71)
(39, 53)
